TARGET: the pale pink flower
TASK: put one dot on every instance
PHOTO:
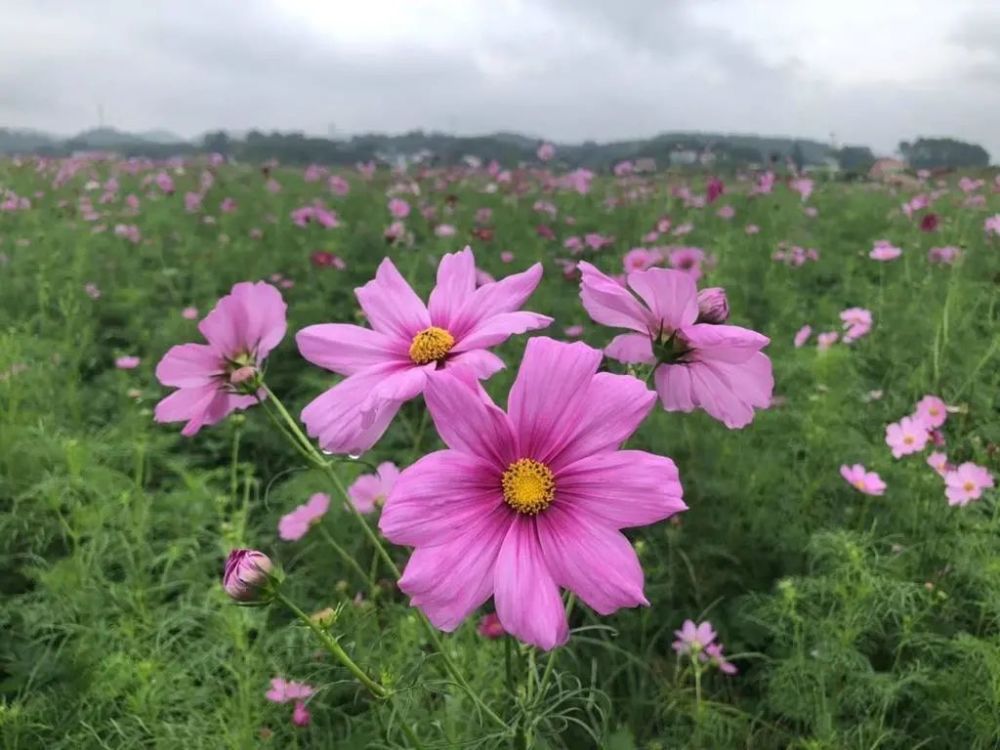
(857, 323)
(884, 251)
(726, 212)
(227, 206)
(525, 502)
(945, 255)
(966, 483)
(907, 436)
(338, 185)
(189, 313)
(827, 339)
(932, 411)
(444, 230)
(692, 638)
(369, 491)
(939, 462)
(300, 715)
(864, 481)
(718, 368)
(92, 290)
(127, 363)
(391, 362)
(546, 152)
(286, 691)
(211, 379)
(802, 335)
(714, 656)
(574, 331)
(398, 208)
(752, 229)
(992, 225)
(293, 526)
(687, 259)
(640, 258)
(803, 186)
(506, 256)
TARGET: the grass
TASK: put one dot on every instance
(855, 622)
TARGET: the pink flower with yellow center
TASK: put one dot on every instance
(408, 342)
(528, 501)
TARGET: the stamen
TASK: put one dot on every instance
(431, 345)
(529, 486)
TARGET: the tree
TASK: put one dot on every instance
(854, 158)
(932, 153)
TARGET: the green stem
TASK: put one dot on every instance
(335, 649)
(348, 558)
(294, 433)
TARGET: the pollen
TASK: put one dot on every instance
(431, 345)
(528, 486)
(969, 486)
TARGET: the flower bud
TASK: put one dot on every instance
(490, 627)
(247, 575)
(713, 307)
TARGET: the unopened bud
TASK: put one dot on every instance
(242, 374)
(713, 307)
(247, 575)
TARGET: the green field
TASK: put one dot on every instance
(855, 621)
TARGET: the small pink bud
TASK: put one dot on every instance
(300, 715)
(713, 307)
(490, 627)
(246, 573)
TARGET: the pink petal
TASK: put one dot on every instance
(495, 298)
(467, 421)
(251, 317)
(189, 405)
(671, 295)
(498, 328)
(439, 497)
(594, 562)
(391, 304)
(631, 349)
(621, 489)
(724, 342)
(611, 304)
(456, 282)
(482, 363)
(450, 580)
(189, 366)
(363, 492)
(526, 596)
(347, 349)
(674, 387)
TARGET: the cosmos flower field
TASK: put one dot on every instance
(496, 457)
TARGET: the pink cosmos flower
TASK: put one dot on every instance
(338, 185)
(966, 483)
(391, 362)
(857, 323)
(884, 251)
(506, 256)
(525, 502)
(490, 627)
(574, 331)
(293, 526)
(286, 691)
(189, 313)
(825, 340)
(398, 208)
(929, 222)
(369, 491)
(992, 225)
(945, 255)
(214, 379)
(546, 152)
(932, 411)
(127, 363)
(752, 229)
(713, 189)
(693, 639)
(802, 335)
(640, 258)
(939, 462)
(227, 206)
(909, 435)
(866, 482)
(687, 259)
(726, 212)
(300, 715)
(245, 574)
(718, 368)
(803, 186)
(714, 656)
(444, 230)
(92, 290)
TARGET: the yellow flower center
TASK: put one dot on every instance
(431, 345)
(908, 440)
(859, 483)
(969, 486)
(528, 486)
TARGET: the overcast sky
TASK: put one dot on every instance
(867, 71)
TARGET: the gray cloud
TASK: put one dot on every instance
(567, 69)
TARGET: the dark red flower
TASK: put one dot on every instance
(929, 223)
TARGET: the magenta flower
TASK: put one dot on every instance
(932, 411)
(369, 491)
(300, 715)
(718, 368)
(398, 208)
(286, 691)
(884, 251)
(640, 258)
(525, 502)
(945, 255)
(966, 483)
(693, 639)
(802, 336)
(127, 363)
(909, 435)
(803, 186)
(293, 526)
(218, 378)
(246, 573)
(687, 259)
(866, 482)
(391, 362)
(713, 189)
(490, 627)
